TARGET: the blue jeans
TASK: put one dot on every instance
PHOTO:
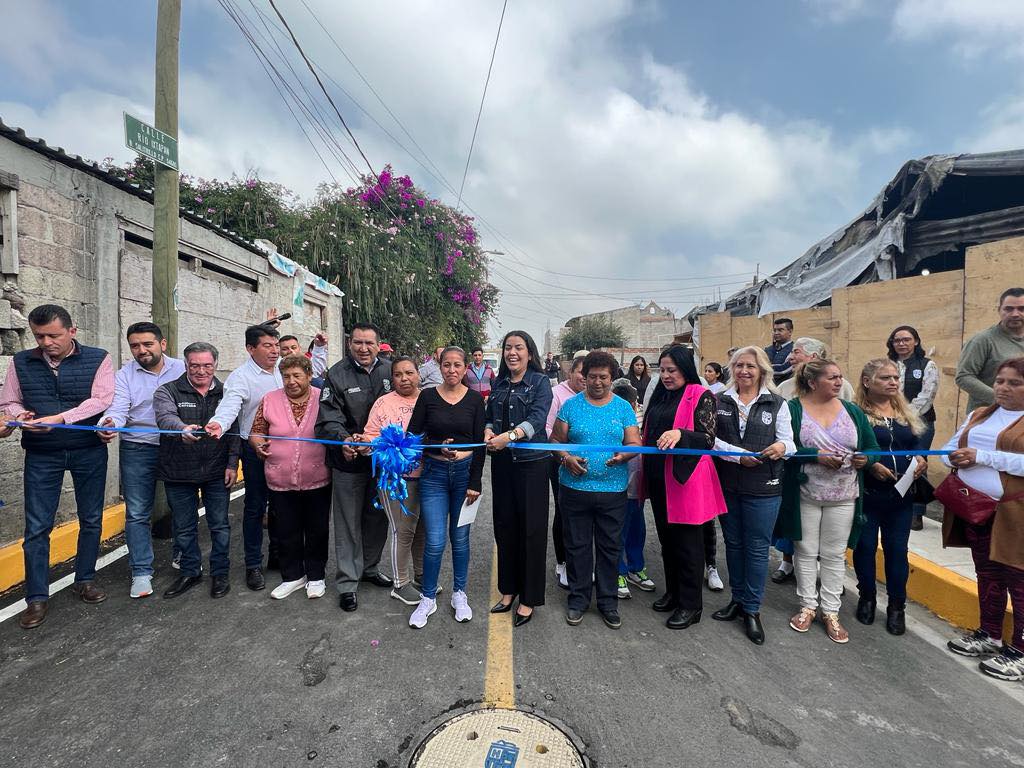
(890, 514)
(924, 443)
(634, 536)
(138, 486)
(43, 478)
(256, 498)
(183, 499)
(747, 530)
(443, 486)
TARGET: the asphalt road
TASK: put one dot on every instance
(250, 681)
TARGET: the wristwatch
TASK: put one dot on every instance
(512, 436)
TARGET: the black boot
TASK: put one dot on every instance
(866, 610)
(895, 619)
(754, 629)
(729, 613)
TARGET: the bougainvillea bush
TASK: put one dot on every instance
(406, 261)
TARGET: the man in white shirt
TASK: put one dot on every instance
(243, 393)
(430, 371)
(134, 385)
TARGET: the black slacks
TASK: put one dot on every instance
(520, 505)
(682, 551)
(593, 541)
(557, 536)
(303, 525)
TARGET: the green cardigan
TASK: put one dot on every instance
(788, 525)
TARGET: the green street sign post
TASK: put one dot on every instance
(148, 141)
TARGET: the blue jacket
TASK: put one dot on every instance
(528, 408)
(46, 394)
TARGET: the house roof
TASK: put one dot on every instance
(18, 136)
(936, 204)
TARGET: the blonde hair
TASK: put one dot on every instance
(762, 362)
(809, 371)
(904, 413)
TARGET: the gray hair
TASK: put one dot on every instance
(812, 347)
(198, 347)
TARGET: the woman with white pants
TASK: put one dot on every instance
(822, 488)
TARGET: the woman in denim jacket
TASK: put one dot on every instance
(517, 410)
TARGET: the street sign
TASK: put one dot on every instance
(148, 141)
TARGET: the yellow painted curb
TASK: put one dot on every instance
(945, 593)
(63, 545)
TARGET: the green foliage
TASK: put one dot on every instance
(590, 333)
(406, 262)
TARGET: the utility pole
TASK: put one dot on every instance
(165, 207)
(165, 188)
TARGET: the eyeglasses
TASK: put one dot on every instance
(201, 366)
(903, 340)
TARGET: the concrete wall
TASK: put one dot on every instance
(84, 243)
(946, 309)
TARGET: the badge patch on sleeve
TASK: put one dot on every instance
(325, 394)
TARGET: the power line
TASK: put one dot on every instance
(633, 279)
(483, 96)
(309, 65)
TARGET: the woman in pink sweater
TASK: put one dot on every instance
(297, 476)
(406, 533)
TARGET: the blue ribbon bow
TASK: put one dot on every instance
(395, 454)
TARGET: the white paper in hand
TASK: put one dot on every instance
(468, 512)
(904, 483)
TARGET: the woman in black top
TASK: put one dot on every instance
(639, 376)
(896, 428)
(517, 410)
(682, 544)
(448, 413)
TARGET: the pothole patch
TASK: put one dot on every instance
(498, 738)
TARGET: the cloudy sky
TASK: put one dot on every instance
(628, 150)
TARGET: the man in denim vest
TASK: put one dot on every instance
(59, 382)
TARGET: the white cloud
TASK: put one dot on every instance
(836, 11)
(974, 27)
(593, 158)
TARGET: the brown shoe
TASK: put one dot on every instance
(34, 615)
(835, 631)
(90, 593)
(803, 620)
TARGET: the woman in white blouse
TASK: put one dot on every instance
(919, 382)
(751, 417)
(988, 454)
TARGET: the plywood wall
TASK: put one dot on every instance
(990, 269)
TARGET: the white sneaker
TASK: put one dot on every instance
(461, 605)
(975, 644)
(714, 580)
(142, 586)
(315, 589)
(423, 611)
(285, 588)
(563, 580)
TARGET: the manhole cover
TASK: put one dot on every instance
(497, 738)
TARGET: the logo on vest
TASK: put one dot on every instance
(767, 417)
(918, 373)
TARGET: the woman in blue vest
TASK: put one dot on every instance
(919, 380)
(751, 416)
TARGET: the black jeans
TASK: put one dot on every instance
(593, 541)
(682, 551)
(556, 524)
(710, 543)
(520, 506)
(303, 525)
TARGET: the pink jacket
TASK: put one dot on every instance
(294, 465)
(700, 498)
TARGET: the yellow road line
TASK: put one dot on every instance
(499, 681)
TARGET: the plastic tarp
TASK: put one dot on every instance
(814, 285)
(289, 268)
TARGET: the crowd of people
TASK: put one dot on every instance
(785, 452)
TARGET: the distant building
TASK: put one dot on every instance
(646, 328)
